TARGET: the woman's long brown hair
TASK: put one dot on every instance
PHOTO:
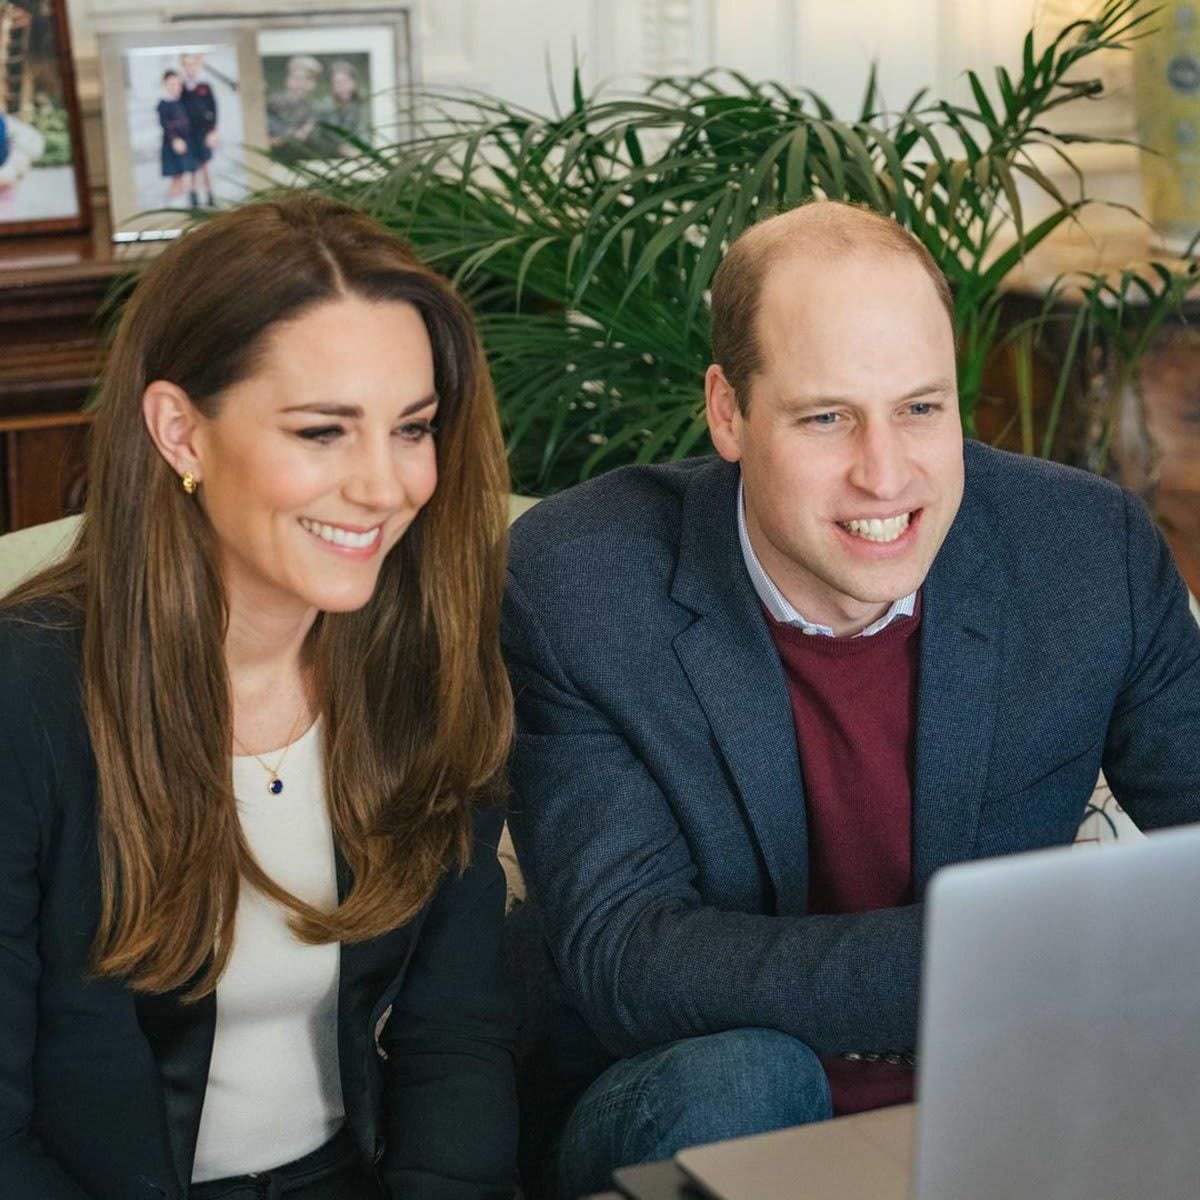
(412, 688)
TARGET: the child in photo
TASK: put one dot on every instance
(20, 147)
(201, 105)
(178, 162)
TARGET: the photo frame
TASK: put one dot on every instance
(43, 175)
(334, 81)
(183, 114)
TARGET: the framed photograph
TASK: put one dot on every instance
(334, 83)
(43, 181)
(182, 109)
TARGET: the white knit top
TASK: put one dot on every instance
(274, 1092)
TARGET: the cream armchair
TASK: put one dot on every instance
(28, 550)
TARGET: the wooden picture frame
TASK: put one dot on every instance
(153, 194)
(43, 173)
(372, 47)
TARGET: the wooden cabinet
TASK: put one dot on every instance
(1152, 421)
(52, 292)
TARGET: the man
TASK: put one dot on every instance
(291, 113)
(200, 103)
(763, 697)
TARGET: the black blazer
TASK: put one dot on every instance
(101, 1089)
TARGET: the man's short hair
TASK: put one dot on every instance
(820, 228)
(306, 63)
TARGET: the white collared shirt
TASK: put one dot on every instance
(780, 608)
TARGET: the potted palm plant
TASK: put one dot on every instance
(587, 239)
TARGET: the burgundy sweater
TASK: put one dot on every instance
(854, 701)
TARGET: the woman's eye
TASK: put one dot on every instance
(417, 431)
(320, 433)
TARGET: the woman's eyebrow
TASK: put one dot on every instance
(353, 411)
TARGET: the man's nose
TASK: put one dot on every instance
(880, 465)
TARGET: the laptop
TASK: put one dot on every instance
(1059, 1049)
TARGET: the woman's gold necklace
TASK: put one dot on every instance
(274, 783)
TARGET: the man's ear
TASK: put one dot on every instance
(174, 426)
(724, 416)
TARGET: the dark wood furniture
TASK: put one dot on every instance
(52, 290)
(1155, 419)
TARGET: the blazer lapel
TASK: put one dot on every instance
(731, 663)
(181, 1040)
(369, 977)
(957, 697)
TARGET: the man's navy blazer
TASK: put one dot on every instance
(658, 808)
(101, 1089)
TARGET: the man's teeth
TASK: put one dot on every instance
(341, 537)
(876, 529)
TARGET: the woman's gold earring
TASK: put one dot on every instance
(189, 482)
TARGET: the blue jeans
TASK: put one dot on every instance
(698, 1090)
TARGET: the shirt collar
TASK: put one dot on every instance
(780, 608)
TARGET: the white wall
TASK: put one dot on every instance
(503, 45)
(514, 47)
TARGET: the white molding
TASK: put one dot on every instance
(446, 32)
(677, 36)
(762, 47)
(787, 23)
(704, 34)
(605, 29)
(667, 36)
(617, 51)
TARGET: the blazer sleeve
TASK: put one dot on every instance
(1151, 759)
(26, 787)
(449, 1079)
(641, 954)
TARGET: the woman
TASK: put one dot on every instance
(249, 929)
(341, 116)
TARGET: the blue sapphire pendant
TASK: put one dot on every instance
(275, 787)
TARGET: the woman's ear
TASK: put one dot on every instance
(174, 425)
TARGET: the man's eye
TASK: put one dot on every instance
(823, 419)
(417, 431)
(924, 408)
(320, 433)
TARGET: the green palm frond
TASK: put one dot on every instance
(587, 239)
